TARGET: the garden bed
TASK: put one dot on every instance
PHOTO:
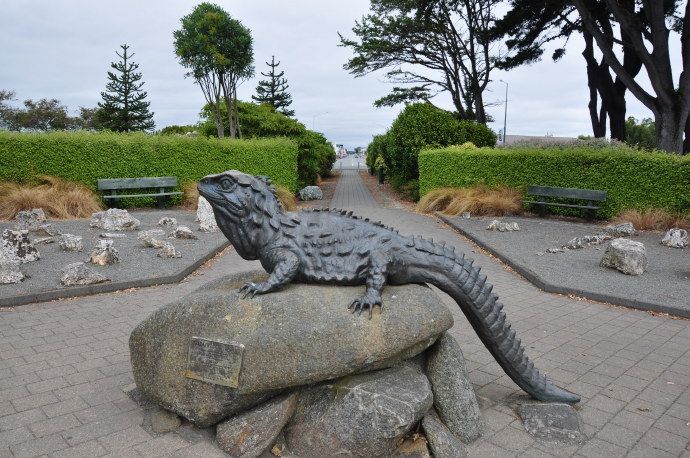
(139, 266)
(664, 287)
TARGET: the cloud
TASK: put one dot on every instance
(63, 50)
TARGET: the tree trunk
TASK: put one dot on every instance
(686, 143)
(669, 130)
(218, 120)
(594, 81)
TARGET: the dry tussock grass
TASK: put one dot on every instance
(191, 197)
(478, 200)
(653, 219)
(58, 198)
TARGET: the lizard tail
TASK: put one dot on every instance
(469, 288)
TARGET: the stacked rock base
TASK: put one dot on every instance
(295, 373)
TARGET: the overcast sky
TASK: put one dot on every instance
(62, 49)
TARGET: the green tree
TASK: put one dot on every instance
(124, 107)
(274, 90)
(40, 115)
(642, 135)
(217, 50)
(437, 46)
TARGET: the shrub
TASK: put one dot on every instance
(316, 155)
(58, 198)
(422, 125)
(632, 178)
(478, 200)
(653, 219)
(85, 157)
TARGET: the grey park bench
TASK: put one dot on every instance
(590, 198)
(160, 188)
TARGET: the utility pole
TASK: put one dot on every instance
(505, 114)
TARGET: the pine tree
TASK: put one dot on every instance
(124, 108)
(274, 90)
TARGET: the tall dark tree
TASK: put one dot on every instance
(217, 50)
(124, 107)
(645, 28)
(273, 91)
(531, 24)
(434, 45)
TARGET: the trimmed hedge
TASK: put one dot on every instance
(633, 179)
(87, 156)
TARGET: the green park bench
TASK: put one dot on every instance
(161, 188)
(590, 196)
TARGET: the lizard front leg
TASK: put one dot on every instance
(284, 271)
(376, 280)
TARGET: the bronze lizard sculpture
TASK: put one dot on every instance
(333, 246)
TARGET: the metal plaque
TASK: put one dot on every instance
(214, 362)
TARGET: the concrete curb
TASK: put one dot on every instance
(542, 284)
(70, 292)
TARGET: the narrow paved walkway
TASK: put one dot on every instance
(351, 192)
(63, 365)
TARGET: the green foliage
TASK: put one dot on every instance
(274, 90)
(87, 156)
(124, 107)
(633, 179)
(316, 155)
(178, 130)
(642, 135)
(422, 125)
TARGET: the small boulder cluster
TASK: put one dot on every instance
(502, 226)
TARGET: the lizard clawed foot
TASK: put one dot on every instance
(368, 301)
(252, 289)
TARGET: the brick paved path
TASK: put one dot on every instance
(63, 366)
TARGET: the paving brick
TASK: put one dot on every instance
(37, 447)
(24, 418)
(85, 450)
(54, 425)
(599, 448)
(16, 435)
(124, 439)
(33, 401)
(619, 435)
(162, 446)
(663, 440)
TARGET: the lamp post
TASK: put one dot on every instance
(313, 119)
(505, 113)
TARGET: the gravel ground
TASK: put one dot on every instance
(665, 286)
(138, 266)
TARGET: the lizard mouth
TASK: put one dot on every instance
(218, 200)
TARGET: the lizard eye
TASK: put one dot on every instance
(226, 184)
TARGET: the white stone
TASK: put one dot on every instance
(501, 226)
(47, 230)
(30, 220)
(104, 253)
(182, 232)
(205, 216)
(79, 274)
(167, 221)
(167, 250)
(586, 240)
(112, 235)
(675, 238)
(69, 242)
(626, 256)
(16, 246)
(114, 219)
(149, 238)
(9, 272)
(310, 193)
(620, 230)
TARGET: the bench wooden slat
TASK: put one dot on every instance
(555, 204)
(158, 194)
(568, 193)
(136, 183)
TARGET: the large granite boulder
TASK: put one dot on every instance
(443, 443)
(626, 256)
(675, 238)
(30, 220)
(454, 396)
(205, 216)
(253, 432)
(16, 246)
(310, 193)
(213, 354)
(363, 415)
(115, 219)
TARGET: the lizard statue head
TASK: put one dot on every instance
(245, 207)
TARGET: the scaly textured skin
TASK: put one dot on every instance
(333, 246)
